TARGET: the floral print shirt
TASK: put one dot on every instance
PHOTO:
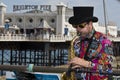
(100, 53)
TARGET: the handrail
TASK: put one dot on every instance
(45, 37)
(26, 37)
(49, 69)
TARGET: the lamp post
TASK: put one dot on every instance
(105, 19)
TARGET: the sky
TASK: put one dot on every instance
(112, 7)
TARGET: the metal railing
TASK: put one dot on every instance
(28, 37)
(115, 39)
(42, 37)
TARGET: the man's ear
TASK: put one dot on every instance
(90, 23)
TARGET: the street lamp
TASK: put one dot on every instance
(105, 19)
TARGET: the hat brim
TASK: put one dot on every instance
(79, 20)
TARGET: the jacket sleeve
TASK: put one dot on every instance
(105, 59)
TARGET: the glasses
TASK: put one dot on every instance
(80, 25)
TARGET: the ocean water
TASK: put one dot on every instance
(18, 57)
(30, 56)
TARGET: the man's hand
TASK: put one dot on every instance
(78, 63)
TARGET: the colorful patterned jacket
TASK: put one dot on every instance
(100, 53)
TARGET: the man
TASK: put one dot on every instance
(92, 49)
(6, 26)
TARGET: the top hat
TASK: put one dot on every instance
(82, 14)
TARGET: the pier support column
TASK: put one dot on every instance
(47, 50)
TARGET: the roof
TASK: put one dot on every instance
(45, 25)
(2, 4)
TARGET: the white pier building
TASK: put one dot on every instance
(41, 24)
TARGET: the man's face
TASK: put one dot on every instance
(83, 29)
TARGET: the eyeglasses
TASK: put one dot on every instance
(80, 25)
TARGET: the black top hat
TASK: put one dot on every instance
(82, 14)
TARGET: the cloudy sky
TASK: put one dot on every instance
(112, 7)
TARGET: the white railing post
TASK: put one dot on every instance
(23, 37)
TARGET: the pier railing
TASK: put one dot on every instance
(57, 69)
(50, 38)
(115, 39)
(26, 37)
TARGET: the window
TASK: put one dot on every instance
(20, 20)
(10, 20)
(41, 20)
(30, 20)
(52, 20)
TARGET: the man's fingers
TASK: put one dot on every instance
(76, 66)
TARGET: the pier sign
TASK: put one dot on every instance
(32, 7)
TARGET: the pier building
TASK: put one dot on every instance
(41, 37)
